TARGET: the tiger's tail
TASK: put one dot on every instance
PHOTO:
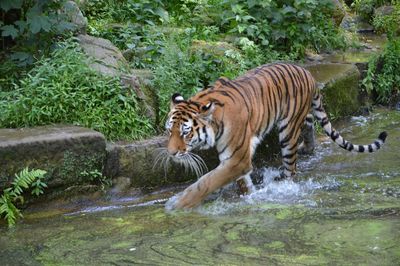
(320, 115)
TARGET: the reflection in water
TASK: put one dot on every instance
(343, 210)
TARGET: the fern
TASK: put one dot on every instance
(24, 180)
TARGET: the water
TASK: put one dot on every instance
(343, 210)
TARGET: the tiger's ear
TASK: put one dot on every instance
(207, 110)
(175, 99)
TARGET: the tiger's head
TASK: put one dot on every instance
(189, 126)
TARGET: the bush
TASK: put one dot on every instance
(31, 26)
(389, 24)
(63, 89)
(289, 27)
(383, 77)
(365, 8)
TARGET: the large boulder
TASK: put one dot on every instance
(340, 87)
(72, 156)
(338, 12)
(108, 60)
(75, 16)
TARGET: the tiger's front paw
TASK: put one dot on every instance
(190, 198)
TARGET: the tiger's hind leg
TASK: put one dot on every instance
(308, 135)
(288, 139)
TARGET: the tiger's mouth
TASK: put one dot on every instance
(189, 161)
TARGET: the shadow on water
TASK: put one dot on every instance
(344, 209)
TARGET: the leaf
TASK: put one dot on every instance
(163, 14)
(21, 25)
(288, 9)
(9, 30)
(10, 4)
(38, 23)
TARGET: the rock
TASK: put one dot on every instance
(340, 87)
(215, 48)
(339, 12)
(384, 11)
(136, 161)
(311, 56)
(75, 16)
(108, 60)
(349, 22)
(72, 156)
(364, 27)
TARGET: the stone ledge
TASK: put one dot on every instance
(65, 152)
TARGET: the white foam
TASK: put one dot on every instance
(287, 192)
(359, 120)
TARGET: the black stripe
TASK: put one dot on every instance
(290, 163)
(225, 93)
(288, 156)
(370, 149)
(351, 147)
(324, 121)
(220, 131)
(378, 145)
(361, 148)
(334, 135)
(283, 128)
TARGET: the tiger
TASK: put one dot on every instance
(235, 115)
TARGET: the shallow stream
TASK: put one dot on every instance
(343, 210)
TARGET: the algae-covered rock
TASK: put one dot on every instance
(214, 48)
(340, 87)
(138, 162)
(338, 12)
(71, 155)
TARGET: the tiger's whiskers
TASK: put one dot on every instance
(190, 162)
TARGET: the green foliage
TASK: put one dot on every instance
(130, 25)
(97, 176)
(135, 11)
(365, 8)
(389, 24)
(37, 24)
(383, 73)
(26, 179)
(63, 89)
(289, 27)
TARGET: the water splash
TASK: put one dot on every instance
(286, 192)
